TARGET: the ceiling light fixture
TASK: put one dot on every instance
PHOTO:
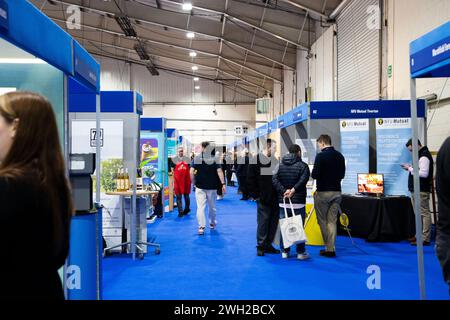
(193, 54)
(195, 68)
(141, 51)
(151, 67)
(197, 87)
(187, 6)
(190, 35)
(196, 78)
(125, 24)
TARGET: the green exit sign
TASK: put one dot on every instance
(390, 71)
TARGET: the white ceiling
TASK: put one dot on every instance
(241, 43)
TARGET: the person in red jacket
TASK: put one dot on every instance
(182, 182)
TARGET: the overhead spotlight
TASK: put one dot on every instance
(190, 35)
(125, 24)
(194, 68)
(197, 87)
(187, 6)
(193, 54)
(141, 51)
(151, 67)
(196, 78)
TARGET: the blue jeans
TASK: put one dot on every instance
(300, 247)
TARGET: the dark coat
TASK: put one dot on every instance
(29, 268)
(443, 193)
(260, 185)
(329, 170)
(242, 166)
(292, 173)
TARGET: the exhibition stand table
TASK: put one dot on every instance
(124, 195)
(379, 219)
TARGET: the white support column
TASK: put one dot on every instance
(415, 156)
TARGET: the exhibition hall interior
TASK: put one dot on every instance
(197, 150)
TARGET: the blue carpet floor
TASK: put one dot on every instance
(223, 264)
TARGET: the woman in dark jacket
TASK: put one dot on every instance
(35, 199)
(290, 182)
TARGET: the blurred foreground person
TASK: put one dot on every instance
(35, 199)
(443, 193)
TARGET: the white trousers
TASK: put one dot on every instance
(202, 197)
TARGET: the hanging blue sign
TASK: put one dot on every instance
(262, 131)
(272, 126)
(85, 66)
(430, 54)
(281, 122)
(300, 113)
(365, 109)
(3, 15)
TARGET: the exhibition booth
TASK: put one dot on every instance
(429, 58)
(372, 136)
(154, 159)
(45, 62)
(124, 194)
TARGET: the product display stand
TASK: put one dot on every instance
(135, 244)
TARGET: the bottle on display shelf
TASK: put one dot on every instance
(117, 179)
(122, 180)
(127, 180)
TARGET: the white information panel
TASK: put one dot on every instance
(111, 136)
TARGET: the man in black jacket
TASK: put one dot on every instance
(443, 193)
(329, 170)
(426, 179)
(290, 182)
(259, 183)
(241, 173)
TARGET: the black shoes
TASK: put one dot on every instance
(186, 211)
(259, 251)
(271, 250)
(245, 198)
(327, 254)
(180, 214)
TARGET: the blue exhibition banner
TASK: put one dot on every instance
(365, 109)
(355, 149)
(430, 54)
(3, 15)
(82, 277)
(392, 135)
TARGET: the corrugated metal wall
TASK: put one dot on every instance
(167, 87)
(115, 74)
(171, 87)
(358, 43)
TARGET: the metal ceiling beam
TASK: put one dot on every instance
(310, 10)
(129, 60)
(238, 20)
(237, 78)
(143, 20)
(172, 46)
(253, 41)
(224, 22)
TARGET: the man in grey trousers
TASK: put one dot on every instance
(328, 171)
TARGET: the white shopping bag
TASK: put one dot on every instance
(292, 230)
(234, 177)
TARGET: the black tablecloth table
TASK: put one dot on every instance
(379, 219)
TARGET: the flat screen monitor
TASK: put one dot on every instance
(370, 183)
